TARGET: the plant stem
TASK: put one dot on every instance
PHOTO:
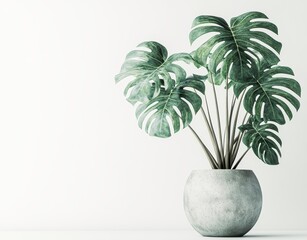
(240, 159)
(209, 115)
(237, 145)
(212, 132)
(218, 119)
(227, 163)
(238, 142)
(212, 136)
(211, 159)
(234, 127)
(230, 116)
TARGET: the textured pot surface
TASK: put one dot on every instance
(222, 203)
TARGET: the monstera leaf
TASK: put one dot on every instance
(234, 49)
(149, 67)
(268, 94)
(171, 104)
(167, 99)
(262, 138)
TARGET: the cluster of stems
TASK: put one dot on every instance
(226, 144)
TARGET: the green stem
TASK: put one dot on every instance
(230, 116)
(240, 159)
(238, 142)
(209, 115)
(213, 137)
(218, 120)
(227, 163)
(215, 142)
(211, 159)
(234, 127)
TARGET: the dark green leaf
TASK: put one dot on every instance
(151, 70)
(262, 138)
(235, 49)
(268, 94)
(171, 104)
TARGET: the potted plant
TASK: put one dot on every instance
(243, 58)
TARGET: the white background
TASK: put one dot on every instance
(71, 154)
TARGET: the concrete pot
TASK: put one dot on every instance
(222, 203)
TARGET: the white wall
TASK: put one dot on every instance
(71, 154)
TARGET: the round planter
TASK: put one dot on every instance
(222, 203)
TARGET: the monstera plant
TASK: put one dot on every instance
(241, 57)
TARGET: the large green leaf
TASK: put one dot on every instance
(262, 138)
(170, 109)
(234, 49)
(268, 93)
(167, 99)
(148, 70)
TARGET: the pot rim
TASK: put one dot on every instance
(222, 170)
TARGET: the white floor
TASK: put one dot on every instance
(139, 235)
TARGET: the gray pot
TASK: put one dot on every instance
(222, 203)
